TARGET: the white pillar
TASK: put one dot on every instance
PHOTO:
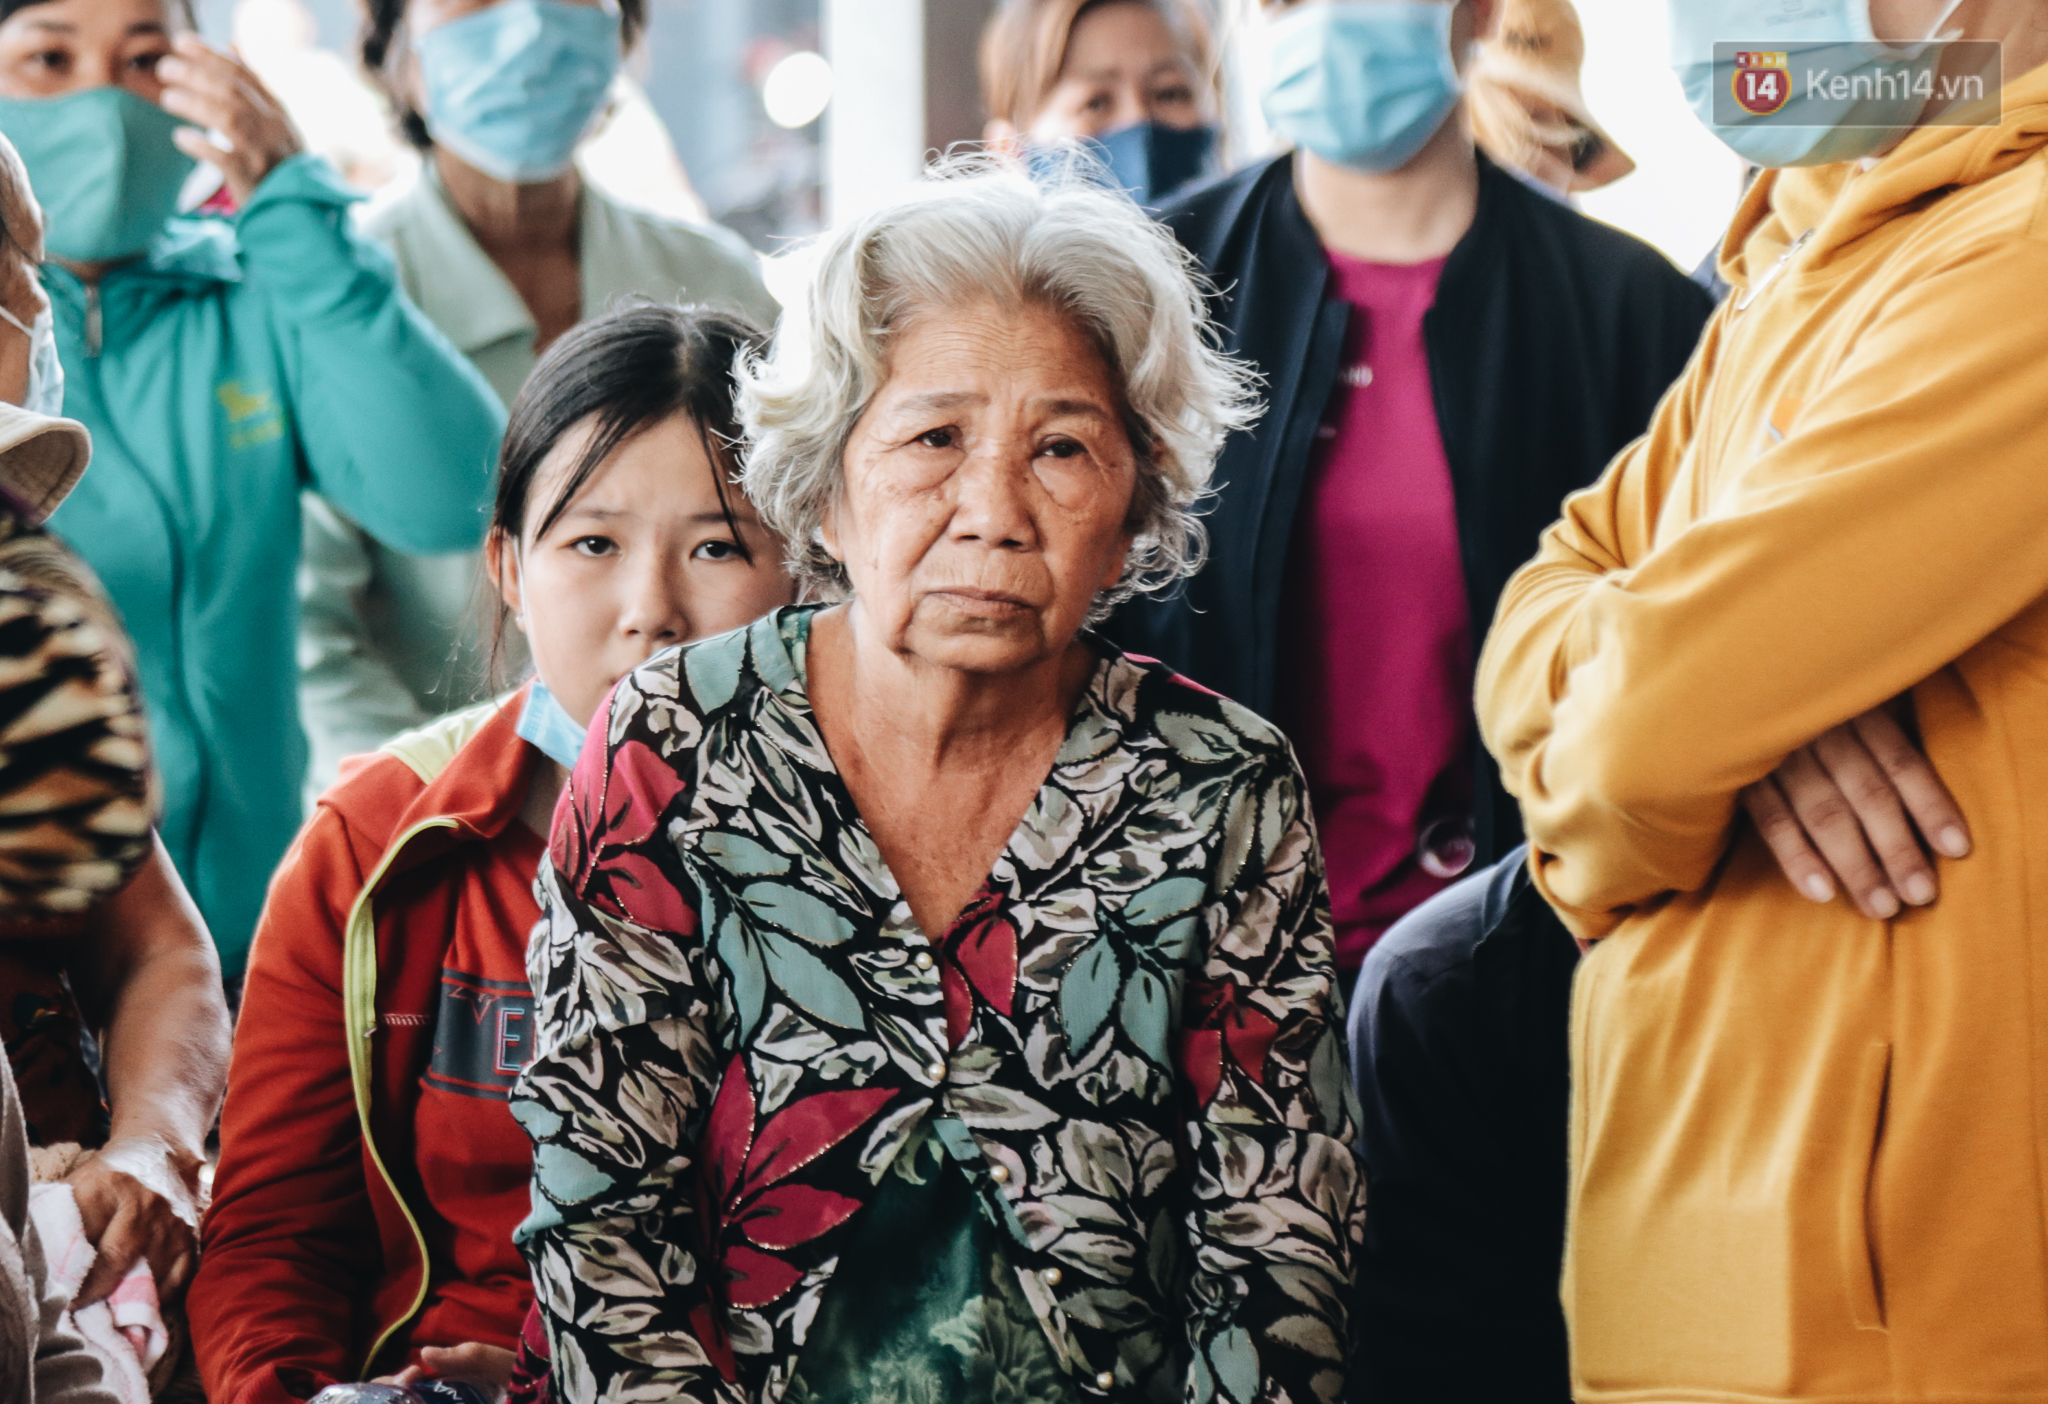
(874, 129)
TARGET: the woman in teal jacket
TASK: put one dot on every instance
(222, 365)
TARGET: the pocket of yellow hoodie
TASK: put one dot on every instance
(1862, 1277)
(1721, 1203)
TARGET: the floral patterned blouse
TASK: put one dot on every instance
(1129, 1033)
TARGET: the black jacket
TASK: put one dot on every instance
(1460, 1051)
(1552, 339)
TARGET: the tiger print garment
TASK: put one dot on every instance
(75, 802)
(75, 810)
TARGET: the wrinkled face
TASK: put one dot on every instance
(66, 46)
(21, 288)
(643, 558)
(1124, 64)
(987, 491)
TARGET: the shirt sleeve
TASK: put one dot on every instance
(350, 697)
(1641, 673)
(396, 428)
(1278, 1211)
(616, 1096)
(289, 1249)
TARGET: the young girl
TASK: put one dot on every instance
(371, 1173)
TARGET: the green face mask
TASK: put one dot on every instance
(103, 167)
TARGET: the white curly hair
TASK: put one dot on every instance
(976, 229)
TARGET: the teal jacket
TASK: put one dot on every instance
(233, 365)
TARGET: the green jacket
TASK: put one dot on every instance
(233, 365)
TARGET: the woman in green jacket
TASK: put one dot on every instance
(221, 365)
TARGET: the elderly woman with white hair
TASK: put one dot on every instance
(934, 1003)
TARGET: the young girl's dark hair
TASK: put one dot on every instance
(382, 52)
(624, 371)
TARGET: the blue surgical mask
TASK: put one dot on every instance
(551, 730)
(45, 371)
(511, 89)
(103, 167)
(1147, 160)
(1885, 88)
(1361, 83)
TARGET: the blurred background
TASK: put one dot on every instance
(770, 116)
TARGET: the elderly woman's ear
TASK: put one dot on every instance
(827, 535)
(1115, 574)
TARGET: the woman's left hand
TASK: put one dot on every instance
(135, 1202)
(216, 92)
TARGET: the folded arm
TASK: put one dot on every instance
(1637, 681)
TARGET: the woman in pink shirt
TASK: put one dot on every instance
(1448, 353)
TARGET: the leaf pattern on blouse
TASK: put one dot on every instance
(739, 1026)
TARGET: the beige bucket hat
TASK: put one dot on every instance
(1535, 53)
(41, 459)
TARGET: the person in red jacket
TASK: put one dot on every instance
(371, 1173)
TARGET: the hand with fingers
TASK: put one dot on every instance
(488, 1367)
(218, 94)
(135, 1202)
(1862, 810)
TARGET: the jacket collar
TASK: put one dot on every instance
(482, 787)
(1831, 207)
(465, 294)
(194, 250)
(461, 291)
(1260, 231)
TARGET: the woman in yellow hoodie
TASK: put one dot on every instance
(1810, 1143)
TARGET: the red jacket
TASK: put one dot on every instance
(310, 1257)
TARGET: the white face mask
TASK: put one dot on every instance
(45, 371)
(1805, 128)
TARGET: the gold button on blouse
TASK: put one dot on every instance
(922, 960)
(936, 1072)
(1051, 1276)
(1000, 1174)
(1105, 1380)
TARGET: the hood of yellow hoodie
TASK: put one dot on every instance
(1837, 205)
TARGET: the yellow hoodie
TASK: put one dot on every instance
(1809, 1149)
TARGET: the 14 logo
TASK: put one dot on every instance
(1763, 82)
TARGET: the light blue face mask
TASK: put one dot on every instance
(45, 371)
(103, 167)
(1362, 83)
(512, 89)
(551, 730)
(1881, 93)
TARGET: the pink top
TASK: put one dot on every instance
(1376, 647)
